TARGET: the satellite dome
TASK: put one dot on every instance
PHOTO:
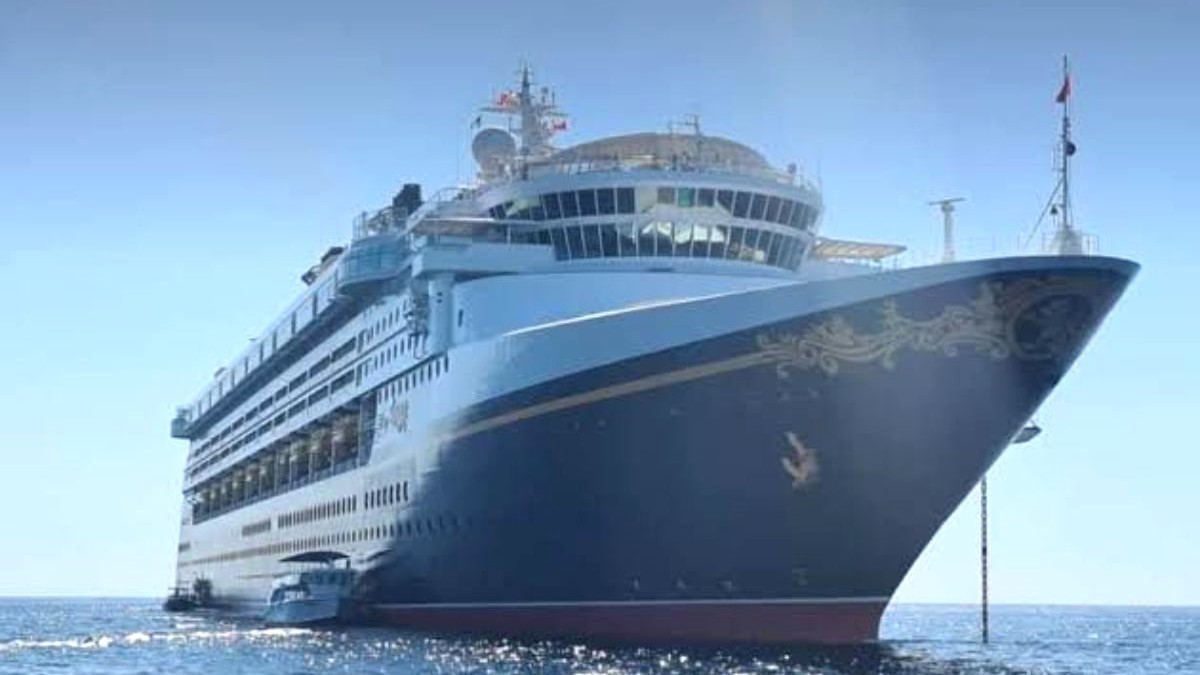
(492, 148)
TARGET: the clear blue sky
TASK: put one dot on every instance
(169, 169)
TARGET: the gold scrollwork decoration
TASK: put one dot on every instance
(1032, 319)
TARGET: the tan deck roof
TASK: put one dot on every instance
(844, 249)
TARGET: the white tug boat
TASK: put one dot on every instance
(320, 594)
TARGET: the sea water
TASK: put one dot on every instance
(101, 637)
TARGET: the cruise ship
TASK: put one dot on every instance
(622, 390)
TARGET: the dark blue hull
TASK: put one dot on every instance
(770, 485)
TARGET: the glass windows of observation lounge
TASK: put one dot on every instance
(624, 200)
(662, 238)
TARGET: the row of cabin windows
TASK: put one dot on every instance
(256, 528)
(427, 372)
(332, 509)
(388, 495)
(667, 239)
(337, 354)
(624, 200)
(416, 527)
(385, 323)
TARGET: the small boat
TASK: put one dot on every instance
(319, 594)
(179, 599)
(184, 599)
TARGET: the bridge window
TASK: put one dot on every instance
(704, 197)
(799, 215)
(591, 241)
(725, 199)
(551, 206)
(609, 242)
(570, 205)
(685, 197)
(735, 241)
(587, 202)
(575, 242)
(785, 212)
(625, 201)
(772, 209)
(560, 244)
(758, 206)
(666, 195)
(605, 203)
(741, 205)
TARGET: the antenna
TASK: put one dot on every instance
(1067, 240)
(947, 206)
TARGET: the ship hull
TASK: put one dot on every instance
(772, 484)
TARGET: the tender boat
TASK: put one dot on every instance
(320, 594)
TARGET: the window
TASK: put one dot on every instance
(666, 195)
(798, 215)
(685, 197)
(570, 206)
(646, 237)
(560, 244)
(785, 255)
(725, 199)
(704, 197)
(741, 205)
(318, 366)
(591, 241)
(772, 209)
(700, 241)
(734, 249)
(551, 206)
(627, 240)
(341, 381)
(587, 202)
(718, 240)
(605, 204)
(785, 212)
(625, 201)
(609, 241)
(575, 242)
(772, 249)
(758, 206)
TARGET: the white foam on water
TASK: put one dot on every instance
(139, 638)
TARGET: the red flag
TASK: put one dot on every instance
(1065, 92)
(560, 125)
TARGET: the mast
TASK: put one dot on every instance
(947, 207)
(536, 115)
(1067, 240)
(1066, 149)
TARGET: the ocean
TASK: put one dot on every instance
(126, 637)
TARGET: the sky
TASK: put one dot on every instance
(169, 169)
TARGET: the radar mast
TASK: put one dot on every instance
(531, 116)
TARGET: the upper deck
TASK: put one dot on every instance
(638, 197)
